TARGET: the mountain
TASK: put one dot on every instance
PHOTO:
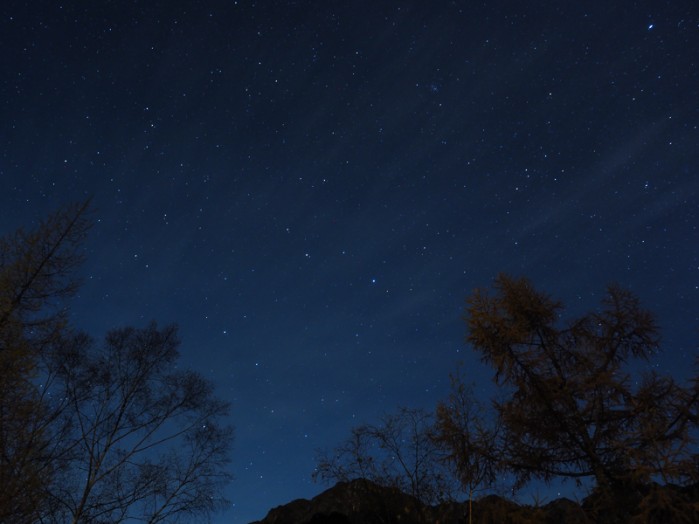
(364, 502)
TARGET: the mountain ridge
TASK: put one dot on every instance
(361, 501)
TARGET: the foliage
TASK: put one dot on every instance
(400, 452)
(575, 410)
(36, 276)
(94, 433)
(469, 438)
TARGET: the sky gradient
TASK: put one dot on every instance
(311, 189)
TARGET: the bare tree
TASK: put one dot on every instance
(141, 439)
(400, 452)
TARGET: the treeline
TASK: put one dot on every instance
(569, 407)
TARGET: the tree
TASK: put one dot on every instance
(36, 276)
(90, 433)
(469, 438)
(574, 409)
(141, 439)
(400, 452)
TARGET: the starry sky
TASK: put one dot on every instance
(312, 189)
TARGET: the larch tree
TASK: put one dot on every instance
(574, 408)
(470, 438)
(36, 276)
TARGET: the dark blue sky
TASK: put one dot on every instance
(311, 189)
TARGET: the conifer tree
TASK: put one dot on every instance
(574, 408)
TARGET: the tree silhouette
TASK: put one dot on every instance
(400, 452)
(470, 439)
(94, 433)
(36, 276)
(573, 407)
(141, 438)
(577, 400)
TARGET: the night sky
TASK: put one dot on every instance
(312, 189)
